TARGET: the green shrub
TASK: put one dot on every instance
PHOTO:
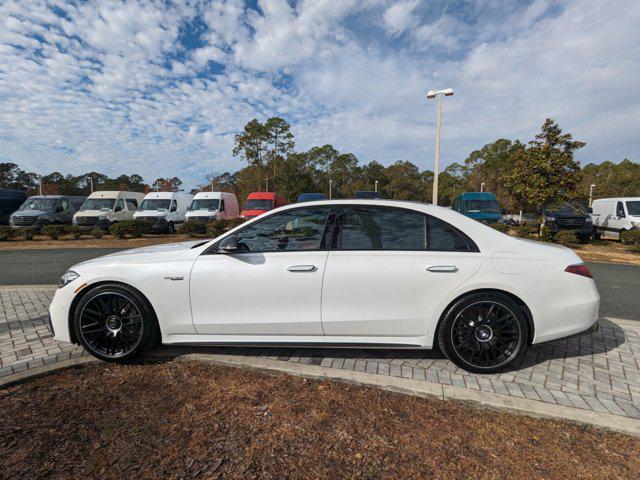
(119, 229)
(27, 232)
(139, 227)
(567, 238)
(499, 226)
(97, 232)
(234, 222)
(545, 235)
(75, 231)
(6, 233)
(216, 228)
(523, 231)
(631, 237)
(53, 231)
(193, 228)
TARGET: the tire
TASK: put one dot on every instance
(584, 238)
(115, 323)
(483, 332)
(596, 235)
(171, 228)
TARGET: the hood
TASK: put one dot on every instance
(93, 213)
(150, 213)
(155, 253)
(31, 213)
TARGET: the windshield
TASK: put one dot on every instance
(633, 208)
(103, 204)
(258, 205)
(46, 204)
(205, 204)
(155, 204)
(477, 206)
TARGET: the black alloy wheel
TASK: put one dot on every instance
(484, 333)
(115, 323)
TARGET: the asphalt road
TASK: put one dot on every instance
(619, 285)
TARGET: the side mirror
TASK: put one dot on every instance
(228, 245)
(589, 210)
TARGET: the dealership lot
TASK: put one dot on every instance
(618, 284)
(598, 372)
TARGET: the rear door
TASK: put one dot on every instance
(391, 269)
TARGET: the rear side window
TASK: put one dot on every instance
(381, 228)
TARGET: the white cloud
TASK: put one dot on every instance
(110, 86)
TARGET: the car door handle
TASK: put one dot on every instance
(302, 268)
(443, 268)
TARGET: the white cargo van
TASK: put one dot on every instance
(164, 210)
(207, 206)
(101, 209)
(612, 216)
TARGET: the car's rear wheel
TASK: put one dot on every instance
(115, 323)
(483, 332)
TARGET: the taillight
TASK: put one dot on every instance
(579, 269)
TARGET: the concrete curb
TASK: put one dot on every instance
(489, 400)
(44, 370)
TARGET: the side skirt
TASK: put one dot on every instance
(424, 342)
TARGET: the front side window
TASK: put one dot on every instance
(633, 208)
(119, 205)
(381, 228)
(222, 205)
(174, 206)
(64, 204)
(620, 210)
(294, 230)
(132, 204)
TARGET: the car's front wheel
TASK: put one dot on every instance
(115, 323)
(483, 332)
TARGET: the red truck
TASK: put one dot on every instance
(260, 202)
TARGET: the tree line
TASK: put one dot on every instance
(527, 176)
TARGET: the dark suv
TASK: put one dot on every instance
(569, 217)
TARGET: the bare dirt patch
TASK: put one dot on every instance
(108, 241)
(192, 420)
(610, 251)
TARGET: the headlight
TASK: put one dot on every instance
(549, 219)
(588, 220)
(67, 278)
(102, 217)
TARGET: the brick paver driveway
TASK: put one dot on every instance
(598, 372)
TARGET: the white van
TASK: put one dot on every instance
(101, 209)
(164, 210)
(612, 216)
(207, 206)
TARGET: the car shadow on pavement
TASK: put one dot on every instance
(608, 337)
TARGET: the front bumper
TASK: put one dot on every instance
(585, 231)
(59, 310)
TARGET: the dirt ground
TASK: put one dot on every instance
(610, 251)
(108, 241)
(192, 420)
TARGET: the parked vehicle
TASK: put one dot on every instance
(104, 208)
(367, 195)
(569, 217)
(164, 210)
(481, 206)
(310, 197)
(343, 272)
(10, 201)
(261, 202)
(41, 210)
(612, 216)
(207, 206)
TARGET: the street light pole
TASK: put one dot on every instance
(591, 187)
(482, 187)
(330, 185)
(375, 187)
(447, 92)
(267, 183)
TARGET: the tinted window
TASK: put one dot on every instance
(620, 210)
(222, 205)
(120, 205)
(288, 231)
(443, 237)
(633, 208)
(132, 204)
(370, 228)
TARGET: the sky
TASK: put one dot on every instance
(161, 88)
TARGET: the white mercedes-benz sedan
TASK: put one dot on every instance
(339, 273)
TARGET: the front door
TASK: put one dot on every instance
(272, 285)
(390, 271)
